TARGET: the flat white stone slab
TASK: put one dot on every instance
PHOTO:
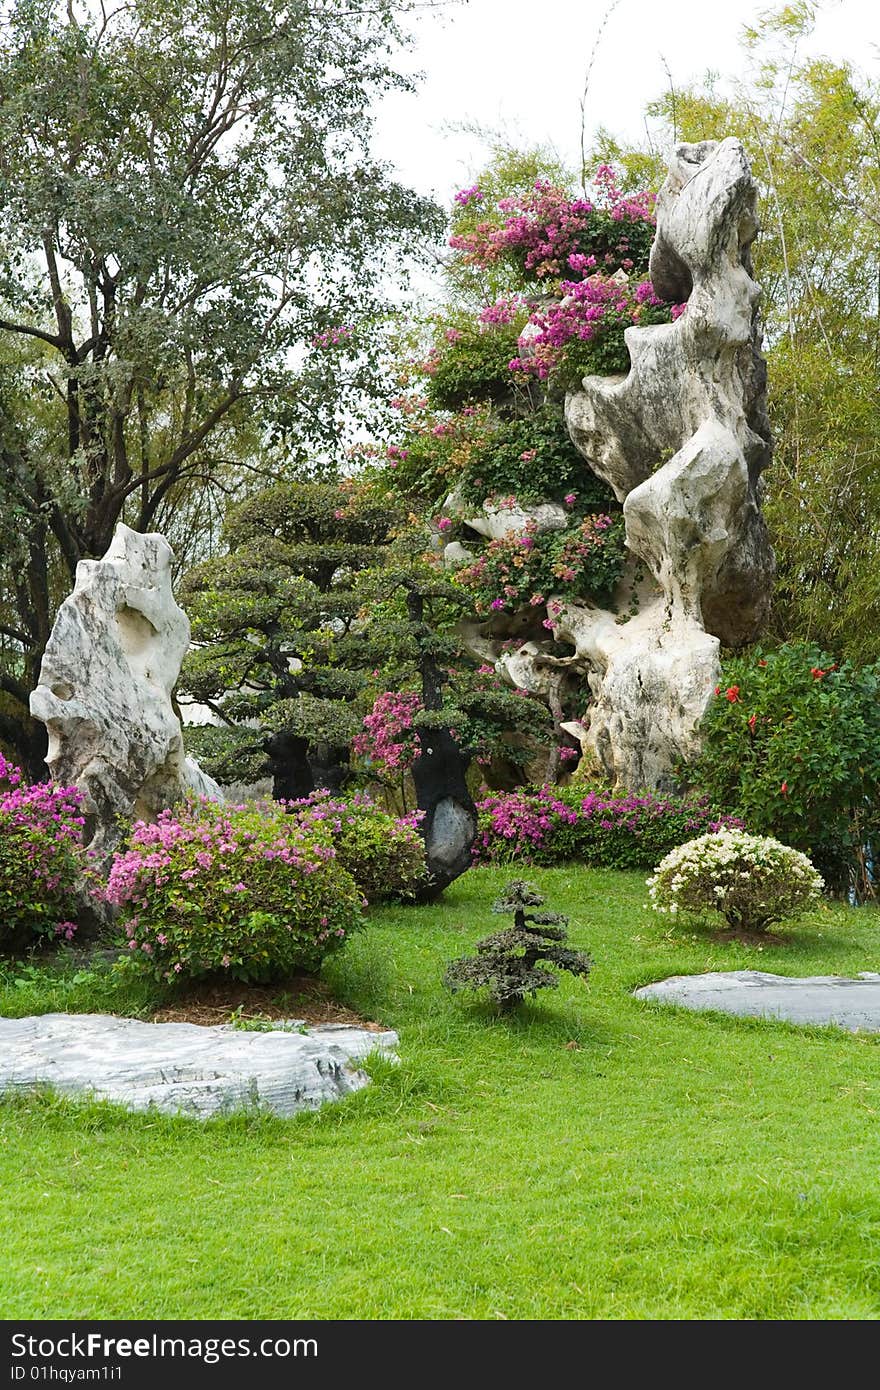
(851, 1004)
(184, 1068)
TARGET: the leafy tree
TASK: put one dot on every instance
(194, 243)
(418, 617)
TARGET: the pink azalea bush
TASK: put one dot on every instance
(250, 892)
(552, 825)
(384, 853)
(389, 742)
(42, 862)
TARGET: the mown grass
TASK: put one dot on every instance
(592, 1157)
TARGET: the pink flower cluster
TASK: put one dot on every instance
(209, 887)
(523, 821)
(546, 230)
(333, 337)
(389, 739)
(522, 567)
(588, 307)
(621, 205)
(504, 311)
(540, 825)
(41, 859)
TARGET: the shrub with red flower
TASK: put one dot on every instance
(794, 747)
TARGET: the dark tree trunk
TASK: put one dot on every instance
(449, 827)
(292, 775)
(450, 817)
(330, 768)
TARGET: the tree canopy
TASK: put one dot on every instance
(194, 252)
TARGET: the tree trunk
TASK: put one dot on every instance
(449, 826)
(292, 776)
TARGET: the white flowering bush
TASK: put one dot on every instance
(750, 880)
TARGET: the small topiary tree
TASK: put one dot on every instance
(752, 881)
(507, 963)
(280, 655)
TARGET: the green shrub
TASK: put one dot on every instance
(523, 568)
(751, 881)
(384, 853)
(555, 825)
(473, 365)
(792, 743)
(253, 893)
(530, 457)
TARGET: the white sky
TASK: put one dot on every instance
(520, 65)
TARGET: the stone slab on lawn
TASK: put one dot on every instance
(850, 1004)
(184, 1068)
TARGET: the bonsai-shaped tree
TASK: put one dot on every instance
(507, 963)
(450, 712)
(280, 655)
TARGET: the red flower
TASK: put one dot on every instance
(732, 693)
(718, 690)
(762, 663)
(817, 673)
(784, 789)
(752, 722)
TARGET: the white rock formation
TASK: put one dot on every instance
(105, 688)
(682, 439)
(183, 1068)
(495, 520)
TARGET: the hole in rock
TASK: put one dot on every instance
(135, 632)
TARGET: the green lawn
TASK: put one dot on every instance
(592, 1157)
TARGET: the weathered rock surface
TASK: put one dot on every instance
(183, 1068)
(682, 439)
(496, 522)
(105, 687)
(829, 999)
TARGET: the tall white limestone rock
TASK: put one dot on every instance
(105, 689)
(682, 440)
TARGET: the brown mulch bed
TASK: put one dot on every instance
(302, 997)
(749, 938)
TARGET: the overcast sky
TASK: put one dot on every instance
(519, 65)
